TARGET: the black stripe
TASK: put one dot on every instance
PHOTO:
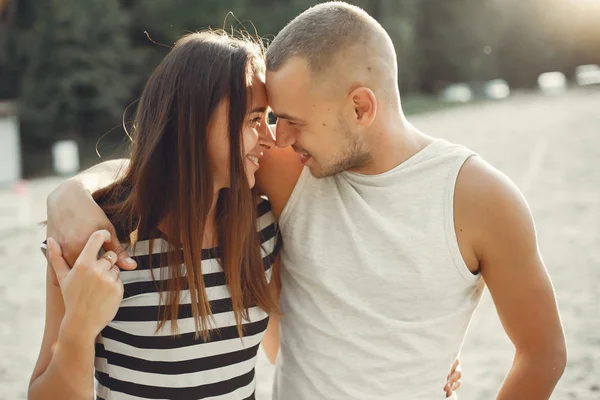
(210, 280)
(267, 233)
(154, 313)
(252, 397)
(263, 207)
(176, 367)
(192, 393)
(183, 340)
(278, 244)
(137, 288)
(160, 259)
(99, 398)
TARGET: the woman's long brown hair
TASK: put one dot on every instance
(169, 181)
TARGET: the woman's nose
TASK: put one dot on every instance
(267, 139)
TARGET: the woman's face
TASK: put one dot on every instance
(257, 137)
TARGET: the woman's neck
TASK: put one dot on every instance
(210, 236)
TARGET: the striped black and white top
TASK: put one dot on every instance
(133, 361)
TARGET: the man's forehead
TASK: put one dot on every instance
(294, 73)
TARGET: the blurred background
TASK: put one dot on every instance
(516, 80)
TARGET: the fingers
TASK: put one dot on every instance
(453, 382)
(451, 388)
(93, 246)
(114, 270)
(455, 365)
(60, 266)
(455, 378)
(455, 386)
(108, 260)
(123, 260)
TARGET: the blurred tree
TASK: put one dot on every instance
(458, 40)
(75, 64)
(16, 19)
(8, 11)
(81, 68)
(400, 20)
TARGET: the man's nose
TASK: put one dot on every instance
(283, 137)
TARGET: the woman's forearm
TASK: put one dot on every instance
(70, 374)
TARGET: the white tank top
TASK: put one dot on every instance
(376, 298)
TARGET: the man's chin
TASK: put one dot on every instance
(318, 172)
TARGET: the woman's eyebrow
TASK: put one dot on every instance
(258, 109)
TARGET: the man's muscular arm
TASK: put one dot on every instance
(73, 215)
(492, 215)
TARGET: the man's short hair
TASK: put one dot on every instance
(319, 34)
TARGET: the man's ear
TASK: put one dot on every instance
(364, 103)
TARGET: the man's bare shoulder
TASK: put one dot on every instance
(491, 213)
(279, 171)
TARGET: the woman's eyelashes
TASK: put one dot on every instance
(256, 121)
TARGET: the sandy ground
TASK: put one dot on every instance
(550, 146)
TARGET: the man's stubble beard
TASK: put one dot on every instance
(354, 156)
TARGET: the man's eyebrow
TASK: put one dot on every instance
(286, 116)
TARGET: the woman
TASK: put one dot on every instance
(184, 208)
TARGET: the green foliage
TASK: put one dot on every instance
(80, 67)
(74, 65)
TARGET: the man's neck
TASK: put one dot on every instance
(391, 143)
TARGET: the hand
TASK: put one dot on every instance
(91, 290)
(72, 217)
(453, 379)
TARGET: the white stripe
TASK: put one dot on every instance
(160, 245)
(101, 364)
(106, 394)
(265, 221)
(184, 353)
(184, 325)
(268, 247)
(241, 393)
(144, 275)
(153, 298)
(142, 247)
(183, 380)
(101, 390)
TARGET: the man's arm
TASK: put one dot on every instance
(73, 215)
(492, 215)
(279, 171)
(270, 342)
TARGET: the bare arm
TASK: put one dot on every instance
(73, 214)
(270, 342)
(493, 215)
(79, 303)
(65, 365)
(279, 171)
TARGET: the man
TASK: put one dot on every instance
(388, 233)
